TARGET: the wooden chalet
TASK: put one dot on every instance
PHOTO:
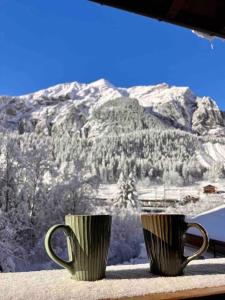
(209, 189)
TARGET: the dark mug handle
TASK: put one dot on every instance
(204, 246)
(48, 247)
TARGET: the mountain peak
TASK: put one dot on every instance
(101, 83)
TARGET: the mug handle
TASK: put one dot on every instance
(69, 233)
(204, 246)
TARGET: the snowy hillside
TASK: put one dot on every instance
(140, 123)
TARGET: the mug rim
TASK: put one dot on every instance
(163, 214)
(86, 215)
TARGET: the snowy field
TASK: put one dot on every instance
(160, 194)
(209, 210)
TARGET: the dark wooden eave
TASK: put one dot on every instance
(207, 16)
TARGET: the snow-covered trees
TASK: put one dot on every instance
(127, 192)
(10, 171)
(77, 187)
(126, 236)
(36, 191)
(148, 154)
(12, 253)
(172, 177)
(39, 172)
(216, 171)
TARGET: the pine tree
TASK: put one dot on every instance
(132, 192)
(127, 191)
(122, 190)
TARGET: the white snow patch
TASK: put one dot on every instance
(214, 222)
(121, 281)
(211, 153)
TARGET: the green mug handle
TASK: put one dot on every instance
(48, 247)
(204, 246)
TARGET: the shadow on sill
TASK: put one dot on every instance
(192, 270)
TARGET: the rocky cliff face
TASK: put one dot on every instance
(208, 118)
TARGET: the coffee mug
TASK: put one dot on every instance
(88, 238)
(164, 240)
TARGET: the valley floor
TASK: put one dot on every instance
(169, 198)
(209, 210)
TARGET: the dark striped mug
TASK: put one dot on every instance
(164, 240)
(88, 238)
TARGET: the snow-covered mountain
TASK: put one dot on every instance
(100, 110)
(176, 106)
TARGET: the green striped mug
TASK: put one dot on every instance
(88, 238)
(164, 240)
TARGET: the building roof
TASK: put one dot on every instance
(207, 16)
(209, 186)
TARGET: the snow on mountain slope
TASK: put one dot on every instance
(211, 153)
(177, 103)
(56, 91)
(100, 90)
(176, 106)
(159, 94)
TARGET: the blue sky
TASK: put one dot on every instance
(43, 43)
